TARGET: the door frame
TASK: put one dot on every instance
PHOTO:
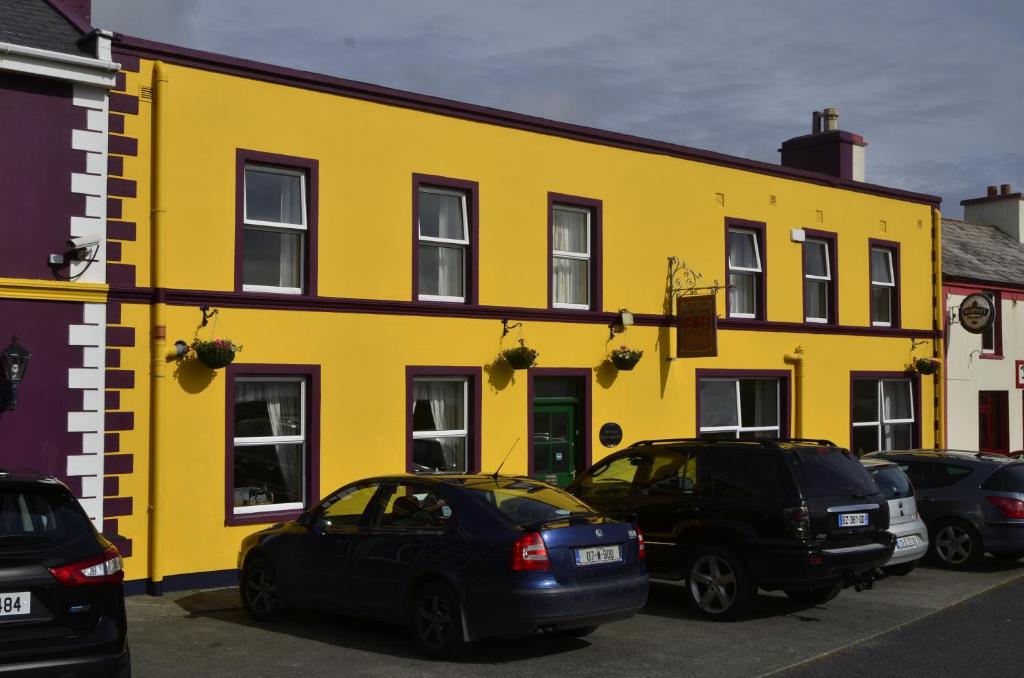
(997, 421)
(584, 442)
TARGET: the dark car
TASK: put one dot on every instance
(972, 503)
(456, 557)
(730, 516)
(61, 592)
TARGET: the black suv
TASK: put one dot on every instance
(730, 516)
(61, 591)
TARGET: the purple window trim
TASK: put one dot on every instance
(785, 392)
(832, 238)
(760, 232)
(472, 264)
(997, 327)
(586, 375)
(915, 387)
(473, 418)
(312, 169)
(312, 375)
(596, 209)
(897, 292)
(128, 49)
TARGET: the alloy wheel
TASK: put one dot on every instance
(712, 584)
(434, 620)
(953, 544)
(261, 589)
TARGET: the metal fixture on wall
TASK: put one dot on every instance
(13, 362)
(618, 326)
(684, 279)
(507, 325)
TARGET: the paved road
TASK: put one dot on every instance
(202, 634)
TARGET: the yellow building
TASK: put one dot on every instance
(375, 251)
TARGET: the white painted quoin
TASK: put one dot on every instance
(984, 253)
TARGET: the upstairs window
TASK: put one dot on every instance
(275, 223)
(884, 288)
(746, 274)
(570, 257)
(444, 239)
(819, 287)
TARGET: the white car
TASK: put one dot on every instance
(904, 521)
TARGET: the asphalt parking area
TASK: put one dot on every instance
(208, 634)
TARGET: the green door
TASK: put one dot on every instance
(554, 442)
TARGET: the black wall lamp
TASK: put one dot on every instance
(13, 363)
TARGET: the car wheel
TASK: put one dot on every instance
(580, 632)
(901, 570)
(956, 545)
(718, 585)
(816, 596)
(260, 590)
(437, 621)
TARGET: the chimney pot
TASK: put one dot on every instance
(816, 122)
(831, 116)
(993, 191)
(1006, 189)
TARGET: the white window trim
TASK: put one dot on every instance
(739, 428)
(757, 252)
(450, 433)
(564, 254)
(881, 421)
(255, 441)
(462, 244)
(275, 226)
(892, 285)
(827, 278)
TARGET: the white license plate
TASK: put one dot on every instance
(595, 555)
(853, 519)
(15, 603)
(907, 542)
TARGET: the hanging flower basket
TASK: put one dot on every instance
(215, 353)
(926, 365)
(625, 358)
(521, 357)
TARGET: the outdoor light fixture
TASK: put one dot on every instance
(625, 320)
(13, 362)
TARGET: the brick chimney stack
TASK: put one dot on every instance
(1000, 207)
(827, 149)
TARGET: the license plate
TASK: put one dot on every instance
(907, 542)
(853, 519)
(595, 555)
(15, 603)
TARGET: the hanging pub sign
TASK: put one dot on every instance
(697, 329)
(977, 313)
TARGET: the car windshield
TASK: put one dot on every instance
(832, 472)
(527, 501)
(38, 517)
(893, 482)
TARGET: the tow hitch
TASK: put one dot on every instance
(859, 581)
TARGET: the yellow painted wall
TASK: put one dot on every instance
(654, 207)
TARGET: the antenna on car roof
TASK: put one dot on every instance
(498, 470)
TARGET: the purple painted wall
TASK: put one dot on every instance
(36, 119)
(35, 434)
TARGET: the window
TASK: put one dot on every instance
(746, 273)
(671, 473)
(819, 284)
(346, 507)
(884, 287)
(930, 475)
(275, 233)
(831, 472)
(744, 475)
(611, 479)
(416, 507)
(883, 415)
(574, 240)
(440, 427)
(992, 338)
(739, 408)
(443, 241)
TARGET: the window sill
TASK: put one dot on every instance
(990, 356)
(267, 518)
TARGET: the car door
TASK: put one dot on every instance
(408, 533)
(667, 499)
(322, 558)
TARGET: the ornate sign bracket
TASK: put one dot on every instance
(684, 280)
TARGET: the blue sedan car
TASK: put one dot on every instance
(456, 557)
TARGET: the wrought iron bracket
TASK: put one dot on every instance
(207, 314)
(507, 325)
(684, 280)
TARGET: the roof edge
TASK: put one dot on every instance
(288, 76)
(948, 278)
(70, 15)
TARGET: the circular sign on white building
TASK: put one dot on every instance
(977, 313)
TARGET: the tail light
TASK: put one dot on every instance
(530, 553)
(641, 552)
(1010, 508)
(798, 521)
(106, 568)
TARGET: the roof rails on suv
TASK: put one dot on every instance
(761, 442)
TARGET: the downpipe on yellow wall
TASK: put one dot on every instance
(796, 359)
(938, 343)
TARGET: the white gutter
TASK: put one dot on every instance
(69, 67)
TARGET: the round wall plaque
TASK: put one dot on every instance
(610, 434)
(977, 313)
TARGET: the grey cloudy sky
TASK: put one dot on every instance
(935, 87)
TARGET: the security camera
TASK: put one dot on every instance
(82, 242)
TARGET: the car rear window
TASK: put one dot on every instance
(1009, 478)
(893, 482)
(831, 472)
(38, 517)
(523, 501)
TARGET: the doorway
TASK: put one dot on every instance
(559, 433)
(993, 422)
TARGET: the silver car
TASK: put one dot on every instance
(904, 522)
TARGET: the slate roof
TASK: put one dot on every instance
(980, 252)
(34, 23)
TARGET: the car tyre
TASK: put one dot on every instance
(260, 589)
(436, 621)
(718, 585)
(955, 545)
(901, 570)
(816, 596)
